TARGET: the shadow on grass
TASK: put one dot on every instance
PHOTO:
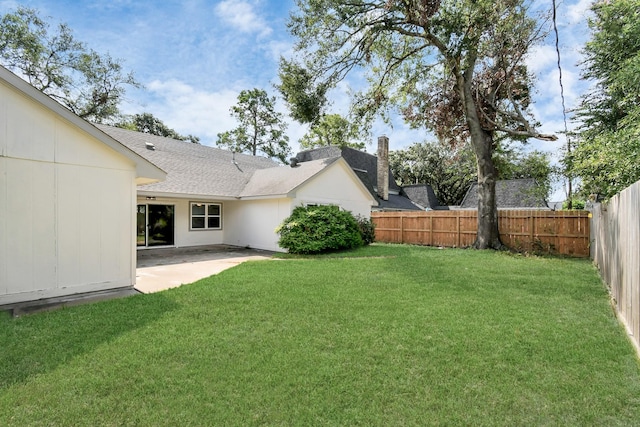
(36, 344)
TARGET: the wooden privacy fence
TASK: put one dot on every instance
(557, 232)
(615, 250)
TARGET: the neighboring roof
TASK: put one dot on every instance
(397, 202)
(193, 169)
(365, 166)
(510, 194)
(147, 171)
(423, 195)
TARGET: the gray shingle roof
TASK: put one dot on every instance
(192, 169)
(364, 163)
(510, 194)
(284, 179)
(423, 195)
(365, 166)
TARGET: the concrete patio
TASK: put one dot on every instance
(165, 268)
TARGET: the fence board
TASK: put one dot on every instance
(561, 232)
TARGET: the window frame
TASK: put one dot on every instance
(206, 216)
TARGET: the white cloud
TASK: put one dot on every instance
(541, 58)
(277, 49)
(579, 11)
(242, 16)
(190, 110)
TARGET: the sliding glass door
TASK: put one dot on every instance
(155, 225)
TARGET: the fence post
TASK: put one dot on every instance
(532, 224)
(430, 230)
(458, 229)
(401, 228)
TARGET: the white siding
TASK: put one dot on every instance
(66, 206)
(29, 236)
(253, 223)
(338, 186)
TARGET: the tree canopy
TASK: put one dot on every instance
(53, 61)
(261, 128)
(148, 123)
(332, 129)
(449, 171)
(607, 154)
(456, 67)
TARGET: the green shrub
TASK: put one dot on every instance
(367, 229)
(577, 205)
(315, 229)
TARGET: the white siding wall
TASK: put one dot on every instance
(253, 223)
(336, 186)
(66, 206)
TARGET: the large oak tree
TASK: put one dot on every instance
(456, 67)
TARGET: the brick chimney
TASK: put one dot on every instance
(383, 167)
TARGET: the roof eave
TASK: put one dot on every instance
(191, 196)
(144, 168)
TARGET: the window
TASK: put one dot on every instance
(206, 216)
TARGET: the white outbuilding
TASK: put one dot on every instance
(67, 200)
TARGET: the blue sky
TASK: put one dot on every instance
(195, 56)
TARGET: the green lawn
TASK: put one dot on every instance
(386, 335)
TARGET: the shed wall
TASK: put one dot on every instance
(66, 206)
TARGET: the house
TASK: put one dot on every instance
(77, 200)
(67, 200)
(215, 196)
(376, 175)
(510, 194)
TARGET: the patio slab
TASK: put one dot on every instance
(160, 269)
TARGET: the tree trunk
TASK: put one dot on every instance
(488, 236)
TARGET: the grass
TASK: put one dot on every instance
(386, 335)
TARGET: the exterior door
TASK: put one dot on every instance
(155, 225)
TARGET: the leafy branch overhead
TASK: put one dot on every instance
(455, 67)
(53, 61)
(607, 154)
